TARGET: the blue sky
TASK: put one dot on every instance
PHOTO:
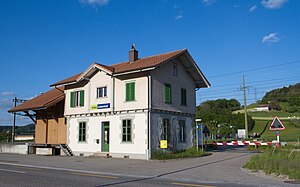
(42, 42)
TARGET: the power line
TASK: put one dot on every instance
(255, 69)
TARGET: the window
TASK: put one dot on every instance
(82, 132)
(102, 92)
(168, 93)
(130, 91)
(175, 69)
(181, 131)
(126, 130)
(183, 96)
(165, 129)
(77, 98)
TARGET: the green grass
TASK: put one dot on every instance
(192, 152)
(280, 162)
(290, 134)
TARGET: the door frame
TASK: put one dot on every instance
(105, 126)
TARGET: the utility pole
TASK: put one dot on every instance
(15, 100)
(14, 122)
(245, 108)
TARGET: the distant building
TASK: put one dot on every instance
(21, 137)
(262, 108)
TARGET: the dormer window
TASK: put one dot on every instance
(175, 69)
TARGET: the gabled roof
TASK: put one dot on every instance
(42, 101)
(147, 63)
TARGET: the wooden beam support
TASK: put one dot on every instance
(30, 116)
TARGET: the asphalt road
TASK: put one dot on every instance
(30, 176)
(219, 169)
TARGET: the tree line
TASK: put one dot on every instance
(218, 117)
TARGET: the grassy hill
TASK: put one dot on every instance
(290, 134)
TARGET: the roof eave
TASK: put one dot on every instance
(134, 71)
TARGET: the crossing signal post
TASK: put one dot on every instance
(277, 126)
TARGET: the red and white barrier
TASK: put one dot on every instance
(242, 143)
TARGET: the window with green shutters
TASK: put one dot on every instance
(126, 130)
(82, 132)
(77, 99)
(168, 93)
(183, 96)
(130, 91)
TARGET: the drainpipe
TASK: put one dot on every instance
(113, 95)
(149, 119)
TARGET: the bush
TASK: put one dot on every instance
(164, 155)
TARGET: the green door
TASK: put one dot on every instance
(105, 136)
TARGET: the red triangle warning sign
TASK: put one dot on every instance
(277, 125)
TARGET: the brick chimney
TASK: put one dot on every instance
(133, 54)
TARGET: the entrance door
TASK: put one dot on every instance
(105, 136)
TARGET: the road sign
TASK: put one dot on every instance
(277, 125)
(163, 144)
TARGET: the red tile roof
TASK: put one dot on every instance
(146, 62)
(42, 101)
(141, 63)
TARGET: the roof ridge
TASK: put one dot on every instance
(179, 50)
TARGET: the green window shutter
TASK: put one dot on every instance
(183, 96)
(72, 104)
(168, 94)
(127, 91)
(130, 91)
(82, 98)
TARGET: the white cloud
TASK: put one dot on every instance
(5, 103)
(94, 2)
(271, 38)
(8, 93)
(273, 4)
(179, 16)
(208, 2)
(253, 8)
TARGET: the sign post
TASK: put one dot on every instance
(277, 126)
(198, 126)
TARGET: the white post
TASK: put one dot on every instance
(197, 122)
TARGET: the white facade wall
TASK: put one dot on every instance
(141, 94)
(164, 75)
(101, 79)
(135, 149)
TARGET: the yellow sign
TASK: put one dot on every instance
(94, 107)
(163, 144)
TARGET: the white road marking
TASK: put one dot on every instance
(13, 171)
(74, 170)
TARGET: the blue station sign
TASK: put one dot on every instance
(103, 106)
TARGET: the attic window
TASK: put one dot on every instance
(175, 69)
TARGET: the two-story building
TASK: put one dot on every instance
(125, 109)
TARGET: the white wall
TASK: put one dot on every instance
(141, 94)
(100, 79)
(116, 148)
(164, 75)
(14, 148)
